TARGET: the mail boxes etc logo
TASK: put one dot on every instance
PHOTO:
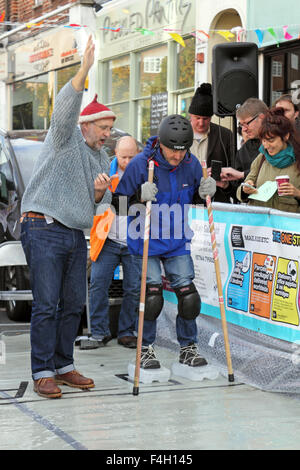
(237, 240)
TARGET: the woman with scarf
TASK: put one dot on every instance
(279, 155)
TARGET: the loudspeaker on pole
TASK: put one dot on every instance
(234, 76)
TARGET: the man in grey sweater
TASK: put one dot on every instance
(69, 180)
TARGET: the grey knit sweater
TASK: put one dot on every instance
(62, 184)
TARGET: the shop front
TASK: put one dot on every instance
(41, 67)
(146, 61)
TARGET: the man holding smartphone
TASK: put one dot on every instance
(211, 143)
(249, 116)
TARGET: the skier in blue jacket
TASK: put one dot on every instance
(177, 183)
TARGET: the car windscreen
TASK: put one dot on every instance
(27, 152)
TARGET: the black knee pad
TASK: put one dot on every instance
(154, 301)
(189, 302)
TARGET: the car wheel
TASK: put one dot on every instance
(15, 279)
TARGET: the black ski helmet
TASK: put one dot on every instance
(176, 132)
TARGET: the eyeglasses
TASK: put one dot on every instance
(103, 128)
(247, 124)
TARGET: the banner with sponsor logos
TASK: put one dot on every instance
(259, 253)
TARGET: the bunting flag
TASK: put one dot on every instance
(178, 38)
(144, 31)
(33, 25)
(287, 36)
(173, 30)
(260, 35)
(114, 30)
(226, 34)
(195, 36)
(203, 32)
(272, 32)
(238, 32)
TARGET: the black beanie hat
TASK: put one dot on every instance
(202, 101)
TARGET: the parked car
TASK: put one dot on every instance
(18, 153)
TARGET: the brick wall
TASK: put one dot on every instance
(26, 10)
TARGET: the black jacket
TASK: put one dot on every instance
(220, 147)
(246, 155)
(243, 160)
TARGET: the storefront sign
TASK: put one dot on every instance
(129, 28)
(48, 53)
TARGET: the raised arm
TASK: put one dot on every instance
(68, 102)
(87, 62)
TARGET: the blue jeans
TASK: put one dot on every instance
(179, 271)
(111, 255)
(56, 256)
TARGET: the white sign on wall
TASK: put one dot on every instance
(46, 53)
(140, 24)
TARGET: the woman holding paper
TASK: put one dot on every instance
(279, 157)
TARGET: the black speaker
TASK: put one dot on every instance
(234, 76)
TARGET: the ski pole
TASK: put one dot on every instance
(218, 276)
(143, 287)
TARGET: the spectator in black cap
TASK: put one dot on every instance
(211, 141)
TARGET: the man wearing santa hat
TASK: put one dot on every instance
(69, 181)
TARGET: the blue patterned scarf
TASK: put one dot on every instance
(282, 159)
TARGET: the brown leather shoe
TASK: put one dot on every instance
(74, 379)
(128, 341)
(47, 388)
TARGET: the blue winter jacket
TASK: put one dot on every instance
(170, 234)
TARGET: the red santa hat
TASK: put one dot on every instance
(94, 111)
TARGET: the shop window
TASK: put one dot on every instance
(122, 112)
(32, 100)
(152, 79)
(144, 107)
(282, 72)
(277, 76)
(149, 74)
(153, 65)
(118, 79)
(66, 74)
(276, 68)
(183, 103)
(186, 64)
(22, 116)
(116, 93)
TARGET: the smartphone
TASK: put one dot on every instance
(216, 168)
(248, 186)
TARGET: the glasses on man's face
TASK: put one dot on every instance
(247, 124)
(103, 128)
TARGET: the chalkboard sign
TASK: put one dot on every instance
(159, 109)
